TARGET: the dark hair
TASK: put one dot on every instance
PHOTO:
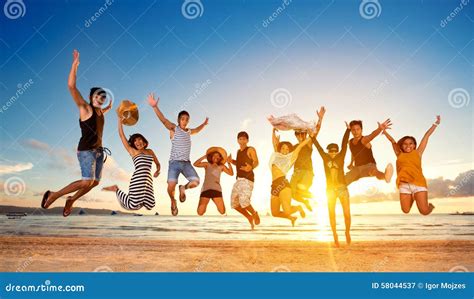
(209, 157)
(181, 113)
(332, 145)
(281, 144)
(131, 140)
(300, 133)
(243, 134)
(400, 142)
(355, 123)
(97, 90)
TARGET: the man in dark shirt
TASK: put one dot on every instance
(336, 186)
(90, 152)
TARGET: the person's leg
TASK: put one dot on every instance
(71, 199)
(285, 199)
(406, 197)
(173, 174)
(72, 187)
(246, 215)
(353, 175)
(277, 212)
(202, 206)
(332, 214)
(193, 180)
(346, 208)
(422, 203)
(219, 202)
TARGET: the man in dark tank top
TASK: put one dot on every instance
(90, 152)
(246, 161)
(363, 162)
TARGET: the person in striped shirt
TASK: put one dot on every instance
(179, 162)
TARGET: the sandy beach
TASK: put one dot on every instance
(70, 254)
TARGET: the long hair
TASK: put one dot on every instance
(131, 140)
(400, 142)
(281, 144)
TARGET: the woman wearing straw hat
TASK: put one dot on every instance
(215, 165)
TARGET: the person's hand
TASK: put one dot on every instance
(350, 166)
(438, 119)
(229, 159)
(120, 119)
(152, 101)
(321, 112)
(109, 106)
(75, 57)
(246, 168)
(156, 174)
(385, 125)
(347, 125)
(206, 121)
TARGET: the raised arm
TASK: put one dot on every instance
(200, 127)
(395, 147)
(345, 140)
(127, 146)
(228, 169)
(381, 127)
(108, 108)
(296, 152)
(200, 162)
(275, 140)
(424, 141)
(71, 83)
(320, 114)
(154, 104)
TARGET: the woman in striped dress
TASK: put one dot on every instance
(140, 193)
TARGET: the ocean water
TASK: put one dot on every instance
(364, 227)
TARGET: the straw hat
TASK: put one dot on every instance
(128, 111)
(220, 150)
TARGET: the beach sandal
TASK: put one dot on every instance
(45, 199)
(182, 193)
(174, 210)
(256, 218)
(67, 212)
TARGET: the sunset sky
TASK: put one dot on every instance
(226, 64)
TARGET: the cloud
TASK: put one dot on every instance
(14, 168)
(112, 171)
(36, 144)
(244, 125)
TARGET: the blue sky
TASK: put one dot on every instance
(401, 64)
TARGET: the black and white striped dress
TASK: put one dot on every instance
(140, 192)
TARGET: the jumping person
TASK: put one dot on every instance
(179, 162)
(90, 152)
(363, 162)
(245, 162)
(303, 174)
(140, 191)
(281, 161)
(410, 179)
(211, 188)
(336, 186)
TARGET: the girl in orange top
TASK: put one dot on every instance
(410, 180)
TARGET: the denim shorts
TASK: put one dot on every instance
(91, 162)
(181, 167)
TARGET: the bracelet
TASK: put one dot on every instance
(435, 124)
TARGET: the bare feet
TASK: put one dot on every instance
(256, 218)
(113, 188)
(388, 172)
(432, 207)
(68, 206)
(250, 219)
(293, 220)
(308, 205)
(182, 193)
(302, 212)
(348, 238)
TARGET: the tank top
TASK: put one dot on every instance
(362, 155)
(212, 178)
(180, 145)
(242, 159)
(91, 132)
(409, 169)
(304, 162)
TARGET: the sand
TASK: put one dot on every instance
(75, 254)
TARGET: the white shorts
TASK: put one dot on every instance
(241, 193)
(406, 188)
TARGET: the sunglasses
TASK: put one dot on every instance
(333, 151)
